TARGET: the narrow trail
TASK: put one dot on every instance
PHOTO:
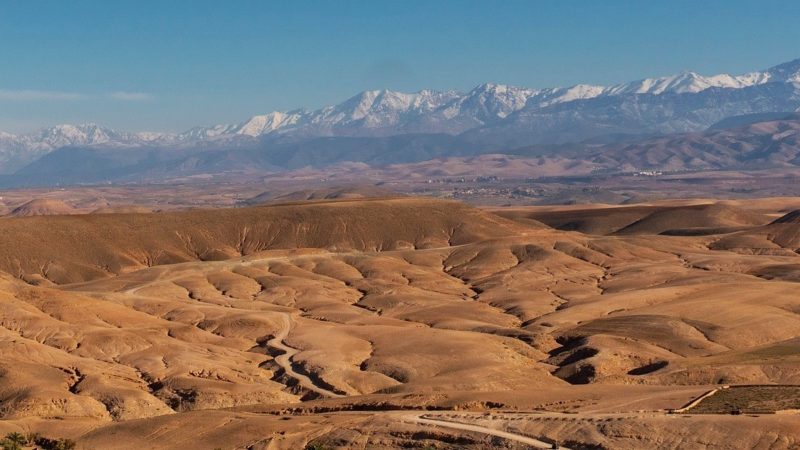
(285, 360)
(535, 443)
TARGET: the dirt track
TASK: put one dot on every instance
(535, 443)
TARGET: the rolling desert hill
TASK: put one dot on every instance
(66, 249)
(42, 207)
(782, 236)
(697, 217)
(386, 323)
(792, 217)
(588, 221)
(709, 219)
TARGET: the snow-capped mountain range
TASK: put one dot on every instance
(683, 102)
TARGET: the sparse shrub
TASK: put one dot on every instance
(315, 446)
(32, 437)
(45, 443)
(13, 441)
(55, 444)
(576, 445)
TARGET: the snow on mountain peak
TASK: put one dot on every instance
(492, 101)
(83, 134)
(564, 95)
(788, 72)
(692, 82)
(386, 112)
(267, 123)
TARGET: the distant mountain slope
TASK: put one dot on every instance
(93, 164)
(754, 146)
(16, 151)
(585, 124)
(771, 144)
(675, 98)
(748, 119)
(634, 114)
(493, 115)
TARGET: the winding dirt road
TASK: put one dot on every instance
(285, 360)
(535, 443)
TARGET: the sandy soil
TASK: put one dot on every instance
(392, 323)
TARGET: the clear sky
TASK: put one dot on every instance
(168, 65)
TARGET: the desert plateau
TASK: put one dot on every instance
(404, 322)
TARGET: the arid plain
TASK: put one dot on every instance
(409, 322)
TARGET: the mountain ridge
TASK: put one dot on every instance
(490, 114)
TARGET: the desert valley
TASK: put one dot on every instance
(379, 225)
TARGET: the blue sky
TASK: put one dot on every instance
(171, 65)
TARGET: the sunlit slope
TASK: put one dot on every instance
(66, 249)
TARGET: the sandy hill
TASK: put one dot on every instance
(42, 207)
(331, 193)
(76, 248)
(780, 237)
(711, 218)
(791, 217)
(662, 217)
(589, 221)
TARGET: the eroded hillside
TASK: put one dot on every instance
(304, 311)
